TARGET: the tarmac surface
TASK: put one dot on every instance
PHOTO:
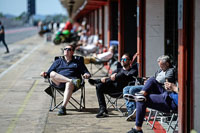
(25, 105)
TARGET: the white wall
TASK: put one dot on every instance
(154, 34)
(106, 25)
(197, 66)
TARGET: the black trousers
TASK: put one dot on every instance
(4, 43)
(106, 88)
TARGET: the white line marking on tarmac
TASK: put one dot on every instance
(19, 61)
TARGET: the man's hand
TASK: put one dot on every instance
(145, 79)
(112, 77)
(86, 76)
(43, 74)
(171, 87)
(103, 80)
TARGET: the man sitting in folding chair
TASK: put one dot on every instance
(99, 60)
(114, 84)
(166, 71)
(66, 73)
(157, 97)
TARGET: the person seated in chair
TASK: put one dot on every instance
(114, 84)
(83, 38)
(91, 45)
(106, 56)
(157, 97)
(166, 71)
(66, 73)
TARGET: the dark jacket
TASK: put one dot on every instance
(123, 77)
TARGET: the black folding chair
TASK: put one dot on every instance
(113, 98)
(55, 90)
(79, 105)
(112, 101)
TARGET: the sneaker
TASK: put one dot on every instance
(62, 111)
(77, 83)
(94, 81)
(48, 91)
(140, 98)
(139, 94)
(129, 97)
(131, 115)
(133, 130)
(137, 97)
(102, 114)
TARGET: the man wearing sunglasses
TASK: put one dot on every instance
(66, 73)
(114, 84)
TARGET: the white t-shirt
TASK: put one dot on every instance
(95, 39)
(90, 40)
(83, 38)
(161, 77)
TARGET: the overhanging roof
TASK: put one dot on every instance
(72, 5)
(79, 8)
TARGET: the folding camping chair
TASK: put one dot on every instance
(151, 112)
(55, 90)
(100, 65)
(174, 114)
(112, 98)
(158, 115)
(112, 101)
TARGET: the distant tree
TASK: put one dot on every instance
(1, 15)
(56, 18)
(23, 15)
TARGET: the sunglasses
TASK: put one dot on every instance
(124, 59)
(68, 49)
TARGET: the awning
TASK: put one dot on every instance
(80, 8)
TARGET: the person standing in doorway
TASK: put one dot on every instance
(2, 37)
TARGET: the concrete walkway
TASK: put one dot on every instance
(25, 106)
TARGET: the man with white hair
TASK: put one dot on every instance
(166, 72)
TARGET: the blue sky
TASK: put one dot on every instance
(43, 7)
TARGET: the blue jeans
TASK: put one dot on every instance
(130, 106)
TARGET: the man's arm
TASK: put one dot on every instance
(113, 76)
(53, 67)
(84, 71)
(47, 74)
(170, 75)
(2, 30)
